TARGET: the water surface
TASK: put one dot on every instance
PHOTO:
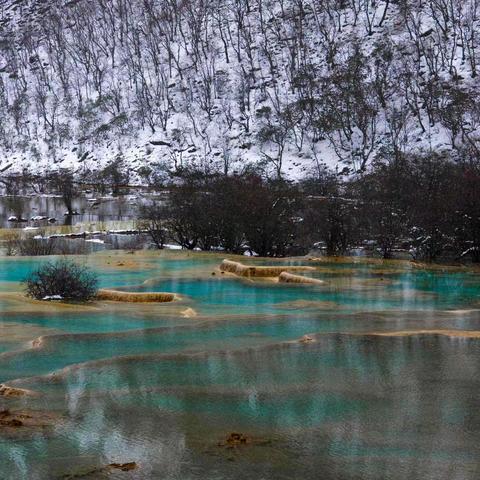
(151, 384)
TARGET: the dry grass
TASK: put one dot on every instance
(135, 297)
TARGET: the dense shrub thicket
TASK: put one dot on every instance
(62, 280)
(427, 205)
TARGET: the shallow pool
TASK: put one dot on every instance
(162, 387)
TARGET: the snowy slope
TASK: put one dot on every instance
(288, 85)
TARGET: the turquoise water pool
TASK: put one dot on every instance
(152, 385)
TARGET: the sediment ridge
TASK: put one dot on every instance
(307, 340)
(242, 270)
(136, 297)
(287, 277)
(410, 333)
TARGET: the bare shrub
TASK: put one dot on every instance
(153, 221)
(36, 246)
(62, 280)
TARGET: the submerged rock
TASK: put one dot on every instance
(21, 422)
(102, 470)
(236, 439)
(306, 339)
(124, 467)
(7, 419)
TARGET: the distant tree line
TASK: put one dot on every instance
(113, 178)
(427, 206)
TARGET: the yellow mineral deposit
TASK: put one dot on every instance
(189, 313)
(135, 297)
(286, 277)
(11, 392)
(242, 270)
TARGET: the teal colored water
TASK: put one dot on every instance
(103, 322)
(407, 291)
(69, 350)
(18, 269)
(152, 385)
(156, 268)
(323, 406)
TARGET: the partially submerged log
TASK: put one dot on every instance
(242, 270)
(140, 297)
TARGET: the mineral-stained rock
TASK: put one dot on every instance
(237, 438)
(14, 422)
(7, 419)
(6, 391)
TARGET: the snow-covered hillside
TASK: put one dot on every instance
(287, 84)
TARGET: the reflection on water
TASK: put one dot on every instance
(146, 384)
(100, 210)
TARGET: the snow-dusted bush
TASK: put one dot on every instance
(62, 280)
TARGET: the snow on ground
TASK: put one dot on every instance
(218, 84)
